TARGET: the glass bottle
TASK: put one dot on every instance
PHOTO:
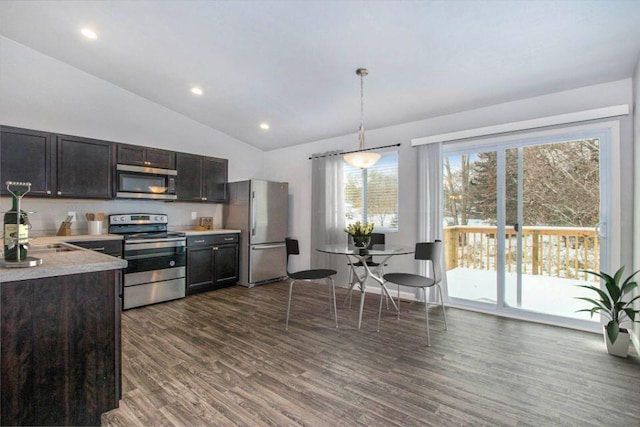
(12, 231)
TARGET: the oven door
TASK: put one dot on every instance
(158, 255)
(136, 182)
(155, 272)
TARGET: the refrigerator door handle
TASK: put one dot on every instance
(253, 213)
(261, 247)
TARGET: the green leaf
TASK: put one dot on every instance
(632, 300)
(612, 331)
(614, 291)
(604, 297)
(596, 303)
(631, 313)
(618, 275)
(628, 287)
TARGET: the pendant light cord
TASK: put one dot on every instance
(361, 131)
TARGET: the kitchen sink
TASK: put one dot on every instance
(52, 248)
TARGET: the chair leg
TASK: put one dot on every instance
(444, 312)
(398, 286)
(333, 292)
(380, 308)
(286, 328)
(426, 309)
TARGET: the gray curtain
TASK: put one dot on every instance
(430, 205)
(327, 207)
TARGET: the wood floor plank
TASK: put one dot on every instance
(224, 358)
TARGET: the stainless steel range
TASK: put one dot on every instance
(156, 259)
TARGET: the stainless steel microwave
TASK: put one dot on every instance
(138, 182)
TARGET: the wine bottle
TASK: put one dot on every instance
(12, 232)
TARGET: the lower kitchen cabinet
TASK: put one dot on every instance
(60, 352)
(212, 262)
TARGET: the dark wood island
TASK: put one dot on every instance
(60, 340)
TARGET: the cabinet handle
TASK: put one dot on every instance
(97, 249)
(214, 248)
(198, 241)
(228, 239)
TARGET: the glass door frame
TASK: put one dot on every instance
(609, 134)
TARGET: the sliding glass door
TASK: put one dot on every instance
(523, 218)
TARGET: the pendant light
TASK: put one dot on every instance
(361, 158)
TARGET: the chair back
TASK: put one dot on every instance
(292, 249)
(431, 251)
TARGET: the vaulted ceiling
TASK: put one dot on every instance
(292, 63)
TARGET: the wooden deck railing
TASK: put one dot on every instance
(549, 251)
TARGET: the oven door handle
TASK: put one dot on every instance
(167, 243)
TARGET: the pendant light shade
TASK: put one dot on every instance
(361, 158)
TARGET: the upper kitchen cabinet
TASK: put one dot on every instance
(28, 156)
(145, 156)
(201, 179)
(85, 168)
(215, 177)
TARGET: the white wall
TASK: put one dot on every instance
(39, 92)
(292, 164)
(636, 190)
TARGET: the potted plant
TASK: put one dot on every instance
(611, 303)
(361, 233)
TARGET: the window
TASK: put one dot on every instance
(372, 194)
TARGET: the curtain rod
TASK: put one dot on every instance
(354, 151)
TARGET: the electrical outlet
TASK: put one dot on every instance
(73, 215)
(194, 215)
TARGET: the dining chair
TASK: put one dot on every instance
(308, 275)
(431, 252)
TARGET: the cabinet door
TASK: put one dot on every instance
(27, 155)
(85, 168)
(189, 179)
(226, 264)
(199, 268)
(131, 155)
(215, 179)
(160, 158)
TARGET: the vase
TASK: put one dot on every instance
(620, 347)
(361, 241)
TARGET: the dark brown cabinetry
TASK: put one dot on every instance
(57, 165)
(85, 168)
(146, 156)
(201, 179)
(60, 352)
(28, 156)
(212, 262)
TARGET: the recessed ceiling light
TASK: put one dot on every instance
(264, 126)
(89, 33)
(196, 91)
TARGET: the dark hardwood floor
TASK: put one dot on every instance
(224, 358)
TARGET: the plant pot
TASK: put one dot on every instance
(620, 347)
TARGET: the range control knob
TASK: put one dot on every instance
(123, 219)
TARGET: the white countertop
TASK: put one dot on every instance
(62, 264)
(78, 261)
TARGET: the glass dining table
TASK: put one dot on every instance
(385, 252)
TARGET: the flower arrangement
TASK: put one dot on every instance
(361, 233)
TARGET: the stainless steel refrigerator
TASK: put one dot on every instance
(259, 209)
